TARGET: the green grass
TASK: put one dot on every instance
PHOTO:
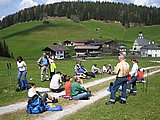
(143, 106)
(7, 88)
(138, 105)
(29, 38)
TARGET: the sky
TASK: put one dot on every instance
(12, 6)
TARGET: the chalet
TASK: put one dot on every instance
(58, 51)
(80, 42)
(114, 47)
(139, 42)
(83, 51)
(94, 43)
(150, 50)
(68, 43)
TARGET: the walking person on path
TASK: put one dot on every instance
(121, 70)
(134, 76)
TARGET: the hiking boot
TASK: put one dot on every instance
(109, 102)
(122, 101)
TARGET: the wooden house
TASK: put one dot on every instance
(58, 51)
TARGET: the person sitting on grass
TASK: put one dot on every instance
(104, 69)
(78, 92)
(56, 82)
(33, 95)
(109, 69)
(95, 70)
(68, 85)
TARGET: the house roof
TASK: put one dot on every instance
(142, 41)
(151, 46)
(86, 47)
(67, 41)
(80, 41)
(55, 48)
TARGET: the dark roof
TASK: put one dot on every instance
(151, 46)
(67, 41)
(110, 41)
(87, 47)
(142, 41)
(80, 41)
(55, 48)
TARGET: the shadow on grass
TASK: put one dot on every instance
(41, 27)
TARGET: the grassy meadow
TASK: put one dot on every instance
(143, 106)
(7, 87)
(29, 38)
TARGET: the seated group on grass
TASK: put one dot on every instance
(107, 70)
(80, 71)
(76, 89)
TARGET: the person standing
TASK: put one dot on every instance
(121, 70)
(52, 66)
(134, 76)
(22, 69)
(43, 62)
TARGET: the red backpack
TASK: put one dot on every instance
(140, 75)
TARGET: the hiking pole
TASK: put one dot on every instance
(147, 81)
(8, 73)
(143, 82)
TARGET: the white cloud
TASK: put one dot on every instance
(52, 1)
(26, 4)
(147, 2)
(2, 17)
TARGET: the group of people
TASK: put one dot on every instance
(46, 63)
(75, 89)
(122, 70)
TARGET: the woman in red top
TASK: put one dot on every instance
(68, 85)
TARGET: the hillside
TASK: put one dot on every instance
(29, 38)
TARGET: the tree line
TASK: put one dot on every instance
(4, 50)
(81, 11)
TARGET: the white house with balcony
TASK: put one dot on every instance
(58, 51)
(150, 50)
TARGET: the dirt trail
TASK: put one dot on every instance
(22, 105)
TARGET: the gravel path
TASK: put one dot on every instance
(22, 105)
(80, 104)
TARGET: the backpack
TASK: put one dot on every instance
(140, 75)
(52, 107)
(24, 85)
(35, 107)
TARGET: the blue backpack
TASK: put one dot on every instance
(24, 85)
(35, 107)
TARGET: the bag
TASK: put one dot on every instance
(37, 106)
(52, 107)
(24, 85)
(140, 75)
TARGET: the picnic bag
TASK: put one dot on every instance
(52, 107)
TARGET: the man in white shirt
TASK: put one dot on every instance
(133, 73)
(56, 82)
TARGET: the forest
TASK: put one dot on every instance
(82, 11)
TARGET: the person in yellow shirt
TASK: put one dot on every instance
(122, 71)
(52, 67)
